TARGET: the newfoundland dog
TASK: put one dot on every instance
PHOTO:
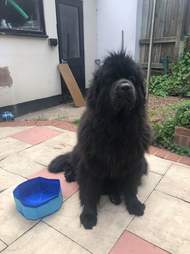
(112, 138)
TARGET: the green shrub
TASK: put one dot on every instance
(164, 133)
(183, 115)
(180, 76)
(159, 85)
(176, 83)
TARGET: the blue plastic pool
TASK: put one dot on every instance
(38, 197)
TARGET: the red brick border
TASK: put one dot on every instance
(163, 153)
(57, 123)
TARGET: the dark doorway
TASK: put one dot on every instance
(71, 39)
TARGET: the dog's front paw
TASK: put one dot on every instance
(70, 176)
(136, 207)
(88, 220)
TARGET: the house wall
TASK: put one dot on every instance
(113, 17)
(33, 63)
(90, 38)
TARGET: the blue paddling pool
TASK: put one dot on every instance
(38, 197)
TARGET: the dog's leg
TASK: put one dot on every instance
(134, 206)
(114, 192)
(90, 191)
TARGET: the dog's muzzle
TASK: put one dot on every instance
(123, 94)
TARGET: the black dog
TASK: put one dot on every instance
(112, 138)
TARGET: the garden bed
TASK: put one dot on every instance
(161, 108)
(165, 115)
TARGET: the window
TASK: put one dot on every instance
(22, 17)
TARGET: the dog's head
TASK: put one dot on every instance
(117, 85)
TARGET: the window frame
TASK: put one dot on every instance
(30, 33)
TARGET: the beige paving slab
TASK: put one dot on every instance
(42, 239)
(149, 182)
(66, 138)
(8, 179)
(158, 165)
(7, 131)
(176, 182)
(21, 165)
(12, 224)
(2, 246)
(44, 154)
(11, 145)
(166, 223)
(112, 220)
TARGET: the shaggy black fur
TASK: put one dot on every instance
(112, 138)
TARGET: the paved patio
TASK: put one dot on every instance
(165, 227)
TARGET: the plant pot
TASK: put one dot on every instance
(182, 136)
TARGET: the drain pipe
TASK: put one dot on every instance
(150, 49)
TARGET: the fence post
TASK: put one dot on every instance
(150, 50)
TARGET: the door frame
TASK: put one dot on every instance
(78, 3)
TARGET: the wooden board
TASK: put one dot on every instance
(71, 84)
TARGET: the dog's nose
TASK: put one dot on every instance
(125, 86)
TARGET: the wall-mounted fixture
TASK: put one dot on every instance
(53, 42)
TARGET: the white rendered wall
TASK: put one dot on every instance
(113, 16)
(90, 37)
(32, 63)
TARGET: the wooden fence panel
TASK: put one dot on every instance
(168, 31)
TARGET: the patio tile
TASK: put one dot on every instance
(68, 189)
(132, 244)
(176, 182)
(42, 239)
(112, 220)
(21, 165)
(44, 154)
(35, 135)
(66, 138)
(158, 165)
(11, 145)
(7, 179)
(149, 182)
(2, 245)
(166, 223)
(12, 223)
(7, 131)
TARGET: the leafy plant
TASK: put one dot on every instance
(159, 85)
(183, 115)
(164, 132)
(175, 83)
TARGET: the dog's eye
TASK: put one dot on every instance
(132, 79)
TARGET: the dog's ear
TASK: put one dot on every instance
(94, 89)
(141, 81)
(143, 88)
(92, 96)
